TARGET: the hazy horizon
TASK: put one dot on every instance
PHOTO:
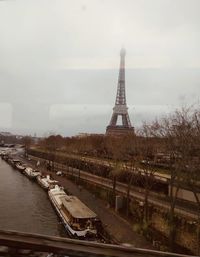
(59, 62)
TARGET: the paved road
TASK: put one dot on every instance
(121, 188)
(109, 163)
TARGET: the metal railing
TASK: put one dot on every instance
(18, 244)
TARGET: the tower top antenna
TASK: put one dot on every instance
(123, 51)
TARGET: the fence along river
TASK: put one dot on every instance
(24, 206)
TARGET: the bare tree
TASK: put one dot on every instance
(116, 151)
(190, 131)
(27, 141)
(146, 149)
(180, 132)
(130, 149)
(52, 144)
(167, 128)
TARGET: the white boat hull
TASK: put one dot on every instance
(74, 233)
(43, 185)
(31, 174)
(20, 168)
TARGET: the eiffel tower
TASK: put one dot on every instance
(120, 108)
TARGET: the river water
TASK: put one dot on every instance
(24, 205)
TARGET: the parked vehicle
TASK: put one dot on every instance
(59, 173)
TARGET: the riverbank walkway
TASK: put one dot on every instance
(117, 227)
(120, 230)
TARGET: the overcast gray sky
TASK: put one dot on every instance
(59, 61)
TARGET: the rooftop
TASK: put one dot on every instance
(76, 208)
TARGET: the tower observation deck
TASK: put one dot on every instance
(120, 108)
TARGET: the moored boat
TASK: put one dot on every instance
(31, 173)
(46, 182)
(3, 153)
(5, 157)
(15, 162)
(21, 167)
(9, 160)
(77, 218)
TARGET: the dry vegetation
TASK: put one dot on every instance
(171, 144)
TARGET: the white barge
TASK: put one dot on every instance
(77, 218)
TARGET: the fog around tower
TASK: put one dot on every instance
(59, 62)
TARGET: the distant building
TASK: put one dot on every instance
(82, 135)
(6, 134)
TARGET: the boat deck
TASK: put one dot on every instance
(76, 208)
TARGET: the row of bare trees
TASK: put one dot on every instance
(176, 135)
(181, 133)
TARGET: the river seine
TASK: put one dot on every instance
(24, 206)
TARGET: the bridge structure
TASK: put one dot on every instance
(18, 244)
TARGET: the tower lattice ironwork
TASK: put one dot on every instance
(120, 108)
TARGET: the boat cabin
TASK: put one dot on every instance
(79, 215)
